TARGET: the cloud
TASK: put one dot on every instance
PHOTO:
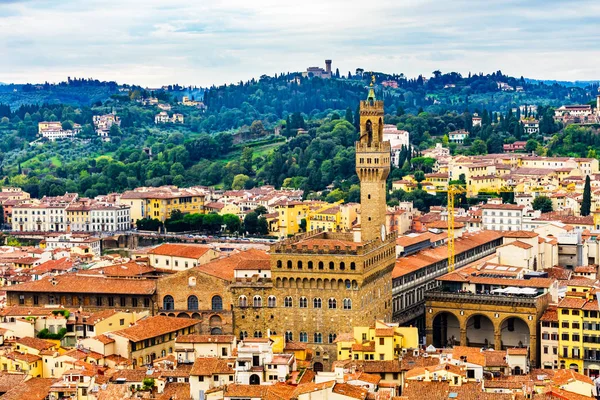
(154, 42)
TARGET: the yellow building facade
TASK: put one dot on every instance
(579, 331)
(290, 215)
(381, 342)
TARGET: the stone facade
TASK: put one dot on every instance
(485, 321)
(196, 294)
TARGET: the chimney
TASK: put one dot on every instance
(328, 66)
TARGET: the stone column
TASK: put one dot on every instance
(429, 335)
(533, 356)
(463, 336)
(497, 339)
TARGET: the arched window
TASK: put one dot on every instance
(318, 337)
(168, 302)
(332, 337)
(347, 304)
(303, 337)
(192, 281)
(299, 264)
(257, 334)
(272, 301)
(278, 263)
(289, 336)
(332, 303)
(342, 265)
(257, 301)
(243, 335)
(303, 302)
(331, 265)
(320, 264)
(348, 284)
(287, 302)
(192, 303)
(217, 303)
(317, 302)
(352, 265)
(289, 264)
(310, 265)
(243, 301)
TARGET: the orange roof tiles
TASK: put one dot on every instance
(208, 366)
(520, 234)
(564, 376)
(348, 390)
(35, 343)
(33, 389)
(180, 250)
(551, 314)
(193, 338)
(224, 267)
(426, 257)
(519, 244)
(154, 326)
(73, 283)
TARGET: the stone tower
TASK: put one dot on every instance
(372, 168)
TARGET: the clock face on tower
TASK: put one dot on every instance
(383, 233)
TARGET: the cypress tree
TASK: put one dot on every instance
(586, 203)
(349, 116)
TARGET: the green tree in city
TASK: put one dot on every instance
(232, 223)
(542, 203)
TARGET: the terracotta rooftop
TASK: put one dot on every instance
(550, 315)
(520, 234)
(72, 283)
(154, 326)
(104, 339)
(33, 389)
(193, 338)
(409, 240)
(426, 257)
(35, 343)
(129, 269)
(564, 376)
(348, 390)
(517, 243)
(208, 366)
(223, 268)
(180, 250)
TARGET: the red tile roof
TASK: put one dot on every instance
(208, 366)
(154, 326)
(223, 267)
(180, 250)
(73, 283)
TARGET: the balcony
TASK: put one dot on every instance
(467, 297)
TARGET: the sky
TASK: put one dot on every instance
(205, 42)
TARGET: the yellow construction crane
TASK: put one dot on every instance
(310, 214)
(454, 190)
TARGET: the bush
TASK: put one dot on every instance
(64, 313)
(45, 334)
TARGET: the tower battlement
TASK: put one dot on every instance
(371, 106)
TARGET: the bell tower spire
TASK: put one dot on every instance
(372, 167)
